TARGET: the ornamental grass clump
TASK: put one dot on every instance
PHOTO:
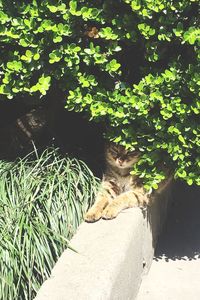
(42, 201)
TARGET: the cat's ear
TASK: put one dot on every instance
(134, 153)
(109, 144)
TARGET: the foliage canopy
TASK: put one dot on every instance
(130, 63)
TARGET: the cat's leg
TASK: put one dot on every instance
(123, 201)
(108, 191)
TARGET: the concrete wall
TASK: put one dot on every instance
(111, 256)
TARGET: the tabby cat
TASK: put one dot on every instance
(17, 137)
(119, 189)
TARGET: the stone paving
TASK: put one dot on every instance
(175, 272)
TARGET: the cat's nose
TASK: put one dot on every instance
(119, 161)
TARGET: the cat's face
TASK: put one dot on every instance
(118, 156)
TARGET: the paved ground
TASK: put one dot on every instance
(175, 272)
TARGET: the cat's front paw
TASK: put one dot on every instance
(110, 212)
(92, 215)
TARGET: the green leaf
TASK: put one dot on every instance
(57, 39)
(135, 5)
(190, 181)
(23, 43)
(36, 56)
(181, 139)
(28, 53)
(52, 8)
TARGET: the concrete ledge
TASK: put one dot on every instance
(112, 256)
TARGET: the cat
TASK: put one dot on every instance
(17, 137)
(119, 189)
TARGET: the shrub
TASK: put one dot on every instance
(130, 63)
(42, 203)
